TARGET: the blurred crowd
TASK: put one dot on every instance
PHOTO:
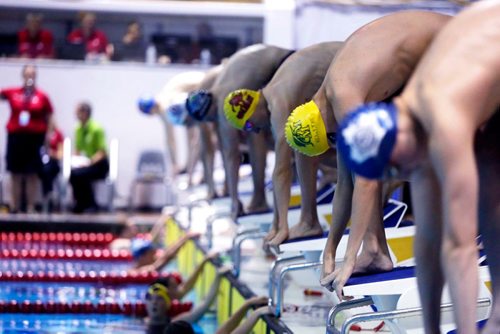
(88, 42)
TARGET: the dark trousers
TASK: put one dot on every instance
(48, 174)
(81, 180)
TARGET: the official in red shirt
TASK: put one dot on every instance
(95, 40)
(33, 41)
(31, 114)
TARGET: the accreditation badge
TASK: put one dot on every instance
(24, 118)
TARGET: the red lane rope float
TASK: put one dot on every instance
(74, 238)
(358, 328)
(101, 307)
(67, 254)
(103, 277)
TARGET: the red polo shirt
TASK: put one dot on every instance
(29, 113)
(56, 138)
(42, 44)
(94, 43)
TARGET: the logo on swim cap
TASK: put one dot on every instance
(366, 138)
(198, 103)
(239, 106)
(305, 130)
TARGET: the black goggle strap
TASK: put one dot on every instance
(332, 138)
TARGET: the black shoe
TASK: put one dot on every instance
(91, 209)
(77, 209)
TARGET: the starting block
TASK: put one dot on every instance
(394, 299)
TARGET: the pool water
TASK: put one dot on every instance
(74, 292)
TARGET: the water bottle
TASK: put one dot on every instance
(205, 57)
(151, 54)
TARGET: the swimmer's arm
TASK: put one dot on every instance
(197, 313)
(342, 203)
(171, 252)
(366, 210)
(191, 281)
(208, 148)
(426, 202)
(229, 326)
(228, 139)
(452, 155)
(282, 176)
(247, 326)
(234, 320)
(158, 228)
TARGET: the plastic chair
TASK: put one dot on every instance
(151, 170)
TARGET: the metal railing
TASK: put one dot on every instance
(239, 239)
(389, 316)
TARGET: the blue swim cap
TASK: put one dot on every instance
(366, 138)
(198, 103)
(140, 247)
(146, 104)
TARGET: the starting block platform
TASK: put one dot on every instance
(397, 229)
(390, 298)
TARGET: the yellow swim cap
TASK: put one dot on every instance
(239, 106)
(160, 290)
(305, 130)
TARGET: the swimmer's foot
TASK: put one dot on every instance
(280, 237)
(270, 235)
(368, 262)
(211, 195)
(257, 207)
(237, 211)
(302, 230)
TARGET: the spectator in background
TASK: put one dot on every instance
(96, 42)
(31, 114)
(91, 162)
(33, 40)
(51, 157)
(202, 44)
(132, 46)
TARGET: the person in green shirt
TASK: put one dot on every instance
(90, 162)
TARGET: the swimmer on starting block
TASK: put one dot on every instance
(375, 62)
(251, 68)
(179, 85)
(196, 108)
(295, 82)
(443, 132)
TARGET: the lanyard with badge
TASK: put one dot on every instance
(24, 115)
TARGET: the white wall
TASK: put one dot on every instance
(113, 90)
(316, 23)
(279, 22)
